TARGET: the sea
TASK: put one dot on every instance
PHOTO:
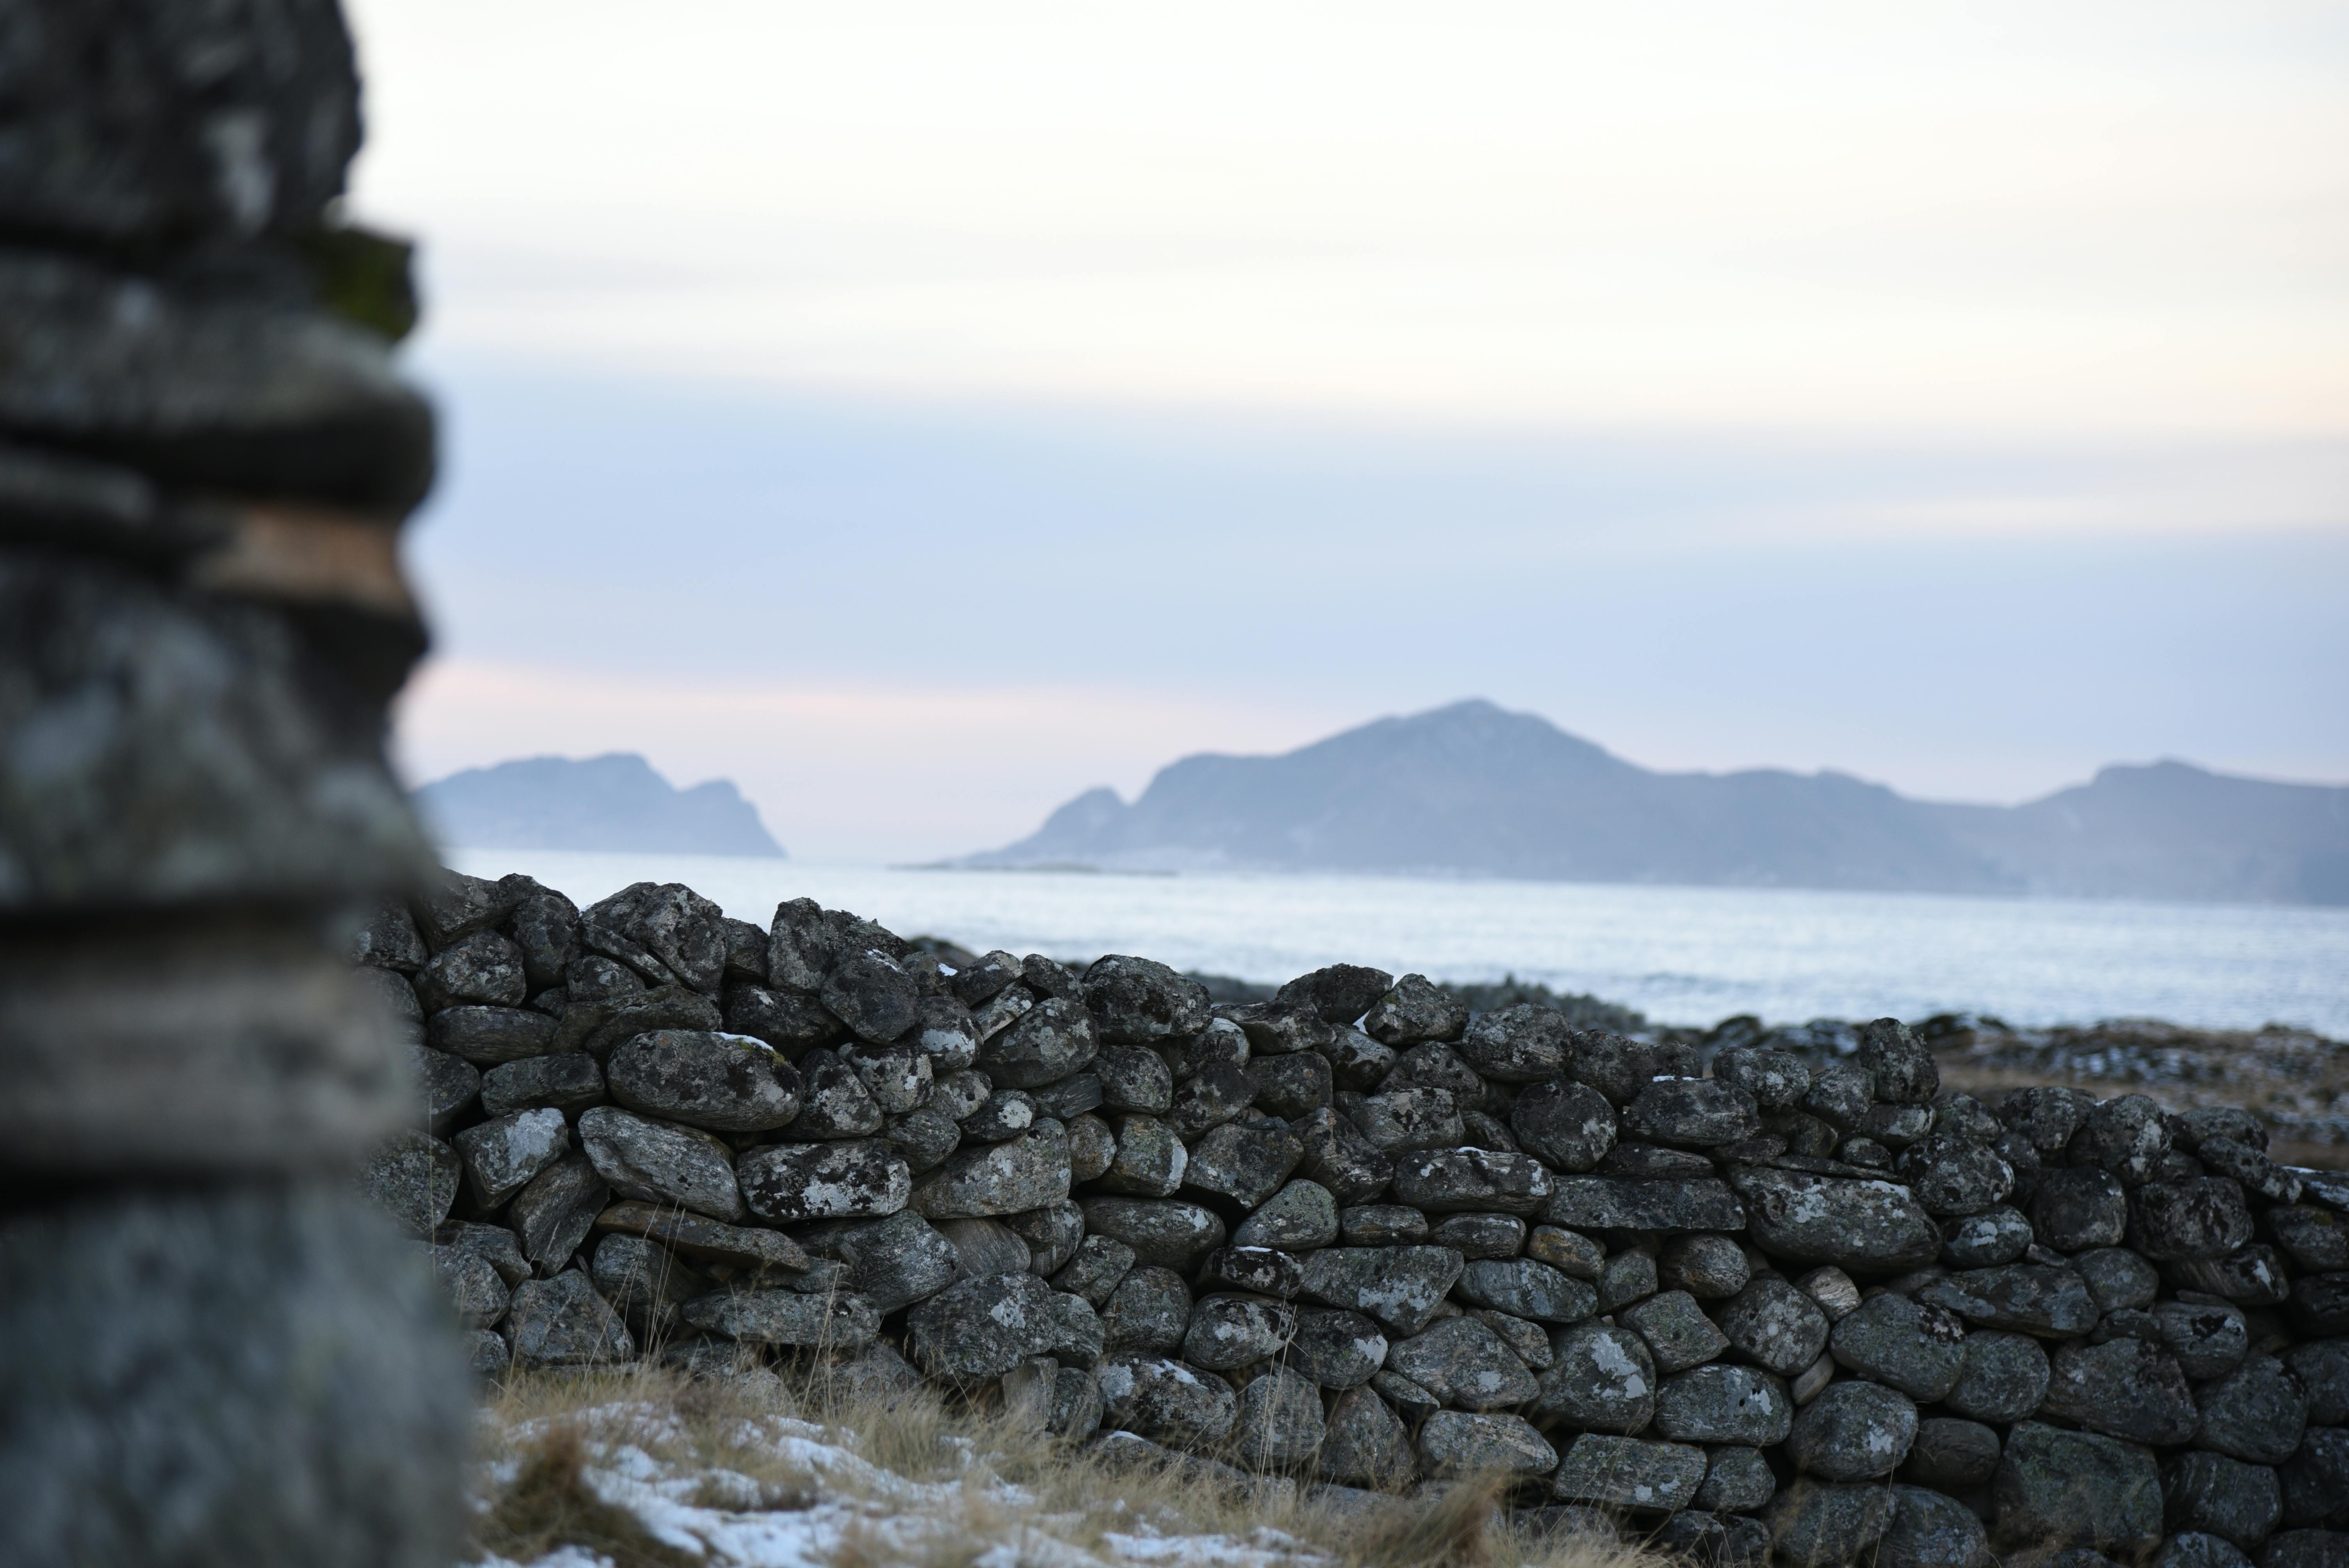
(1680, 955)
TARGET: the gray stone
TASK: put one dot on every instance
(1930, 1531)
(1449, 1181)
(1027, 1173)
(1475, 1237)
(1569, 1125)
(1338, 993)
(493, 1245)
(1136, 1001)
(1954, 1176)
(923, 1139)
(1399, 1286)
(1258, 1271)
(1601, 1378)
(644, 1283)
(1051, 1040)
(2193, 1548)
(1216, 1095)
(1615, 1203)
(1873, 1226)
(1150, 1161)
(2255, 1413)
(2127, 1136)
(1095, 1269)
(2002, 1378)
(2257, 1275)
(2122, 1388)
(982, 1247)
(944, 1033)
(833, 1101)
(1625, 1278)
(1818, 1524)
(1072, 1096)
(1001, 1011)
(2208, 1338)
(1569, 1252)
(1525, 1288)
(1413, 1011)
(483, 969)
(1414, 1403)
(1853, 1431)
(1052, 1231)
(1336, 1349)
(787, 1182)
(829, 1322)
(981, 1328)
(2317, 1238)
(2216, 1495)
(1458, 1443)
(1951, 1455)
(658, 1164)
(2315, 1481)
(727, 1083)
(1383, 1225)
(1135, 1079)
(2307, 1549)
(1245, 1164)
(1092, 1148)
(1149, 1311)
(412, 1177)
(1833, 1290)
(390, 941)
(2118, 1278)
(900, 1076)
(1464, 1365)
(1723, 1404)
(1737, 1479)
(2323, 1367)
(1678, 1333)
(562, 1322)
(501, 1156)
(1523, 1044)
(568, 1082)
(1227, 1332)
(2257, 1174)
(1364, 1443)
(554, 1212)
(1161, 1231)
(472, 1285)
(1166, 1401)
(873, 994)
(1405, 1120)
(1279, 1422)
(1775, 1080)
(1899, 1065)
(1840, 1094)
(1299, 1217)
(487, 1355)
(1692, 1113)
(2056, 1487)
(2029, 1298)
(1773, 1325)
(792, 1022)
(1892, 1340)
(1620, 1067)
(450, 1086)
(661, 931)
(2197, 1219)
(1340, 1157)
(1292, 1086)
(1629, 1473)
(488, 1036)
(693, 1236)
(1709, 1267)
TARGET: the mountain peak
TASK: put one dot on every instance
(615, 801)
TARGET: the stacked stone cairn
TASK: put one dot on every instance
(211, 1351)
(1355, 1234)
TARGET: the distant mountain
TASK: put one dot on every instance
(611, 802)
(1470, 789)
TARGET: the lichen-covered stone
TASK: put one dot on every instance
(1149, 1311)
(1874, 1226)
(789, 1182)
(1892, 1340)
(1166, 1401)
(2255, 1413)
(660, 1163)
(2029, 1298)
(1826, 1524)
(1164, 1232)
(1951, 1455)
(2002, 1378)
(1773, 1325)
(2210, 1493)
(1008, 1178)
(2124, 1389)
(2057, 1488)
(1853, 1431)
(1723, 1404)
(1678, 1333)
(1399, 1286)
(562, 1322)
(1569, 1125)
(1464, 1365)
(1523, 1287)
(1629, 1473)
(1601, 1378)
(834, 1322)
(1364, 1443)
(1930, 1531)
(981, 1328)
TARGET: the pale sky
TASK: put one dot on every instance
(961, 406)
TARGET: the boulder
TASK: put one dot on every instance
(2189, 1221)
(483, 969)
(2002, 1378)
(830, 1322)
(1724, 1404)
(871, 993)
(1401, 1287)
(1951, 1455)
(450, 1089)
(2123, 1388)
(1777, 1079)
(1955, 1176)
(567, 1081)
(1336, 1349)
(1135, 1079)
(1692, 1113)
(2051, 1301)
(554, 1210)
(2128, 1136)
(1095, 1268)
(472, 1285)
(1052, 1231)
(989, 1179)
(1569, 1125)
(503, 1154)
(2255, 1413)
(2220, 1496)
(1150, 1161)
(1161, 1231)
(1292, 1086)
(1136, 1001)
(1166, 1401)
(2323, 1367)
(644, 1283)
(1413, 1011)
(2056, 1487)
(2210, 1338)
(1678, 1333)
(1930, 1531)
(1339, 994)
(1826, 1524)
(1301, 1216)
(1873, 1226)
(1620, 1067)
(1217, 1094)
(412, 1177)
(899, 1076)
(1773, 1325)
(1464, 1365)
(1615, 1203)
(658, 1164)
(1458, 1443)
(1149, 1311)
(1629, 1473)
(1364, 1443)
(562, 1322)
(1523, 1287)
(1853, 1431)
(1893, 1340)
(1405, 1119)
(1601, 1378)
(1258, 1271)
(1899, 1065)
(1708, 1268)
(786, 1184)
(1523, 1044)
(1450, 1180)
(1051, 1040)
(1340, 1157)
(1246, 1164)
(663, 930)
(2315, 1481)
(980, 1328)
(1228, 1332)
(1735, 1479)
(833, 1100)
(1279, 1422)
(487, 1036)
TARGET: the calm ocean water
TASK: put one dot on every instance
(1681, 956)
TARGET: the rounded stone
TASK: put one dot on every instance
(2002, 1378)
(1892, 1340)
(1853, 1431)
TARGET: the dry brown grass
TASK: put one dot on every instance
(1066, 1495)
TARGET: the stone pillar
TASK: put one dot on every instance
(210, 1352)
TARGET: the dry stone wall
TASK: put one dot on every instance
(1739, 1301)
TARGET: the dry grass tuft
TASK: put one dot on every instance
(548, 1505)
